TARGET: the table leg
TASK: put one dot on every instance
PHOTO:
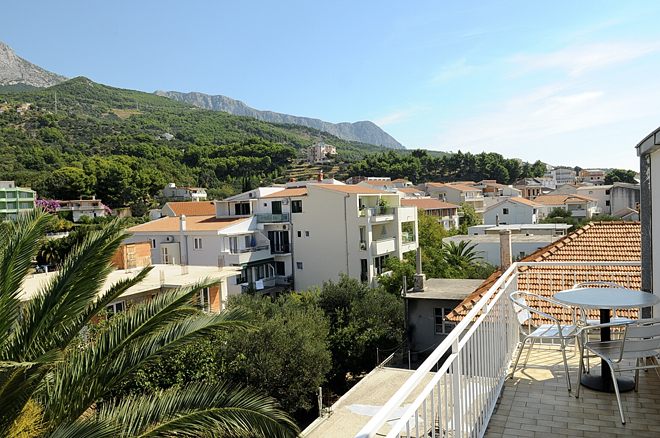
(603, 382)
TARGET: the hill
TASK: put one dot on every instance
(18, 74)
(363, 131)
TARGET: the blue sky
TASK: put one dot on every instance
(565, 82)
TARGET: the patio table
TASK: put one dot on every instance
(606, 299)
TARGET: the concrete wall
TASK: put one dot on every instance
(132, 255)
(624, 197)
(421, 321)
(518, 214)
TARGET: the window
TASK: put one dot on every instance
(607, 203)
(364, 274)
(198, 243)
(299, 265)
(380, 264)
(299, 233)
(116, 307)
(280, 268)
(153, 243)
(205, 299)
(248, 241)
(442, 326)
(233, 245)
(306, 233)
(505, 211)
(242, 208)
(521, 254)
(607, 192)
(296, 206)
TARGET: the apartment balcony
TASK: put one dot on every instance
(378, 214)
(268, 285)
(281, 250)
(383, 246)
(462, 389)
(272, 218)
(246, 255)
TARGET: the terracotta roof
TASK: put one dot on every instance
(595, 242)
(410, 190)
(376, 182)
(560, 199)
(350, 188)
(463, 187)
(427, 204)
(521, 200)
(400, 180)
(192, 208)
(193, 223)
(296, 191)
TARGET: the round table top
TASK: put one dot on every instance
(606, 298)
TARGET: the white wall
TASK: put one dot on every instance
(601, 194)
(655, 223)
(517, 214)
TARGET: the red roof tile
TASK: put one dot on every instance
(192, 208)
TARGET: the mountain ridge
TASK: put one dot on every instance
(361, 131)
(16, 71)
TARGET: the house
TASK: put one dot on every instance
(457, 193)
(579, 206)
(516, 210)
(359, 179)
(592, 176)
(188, 208)
(625, 195)
(132, 255)
(627, 214)
(15, 200)
(427, 310)
(530, 188)
(492, 189)
(531, 229)
(446, 213)
(561, 175)
(78, 208)
(401, 183)
(566, 189)
(297, 235)
(173, 193)
(487, 246)
(321, 153)
(411, 192)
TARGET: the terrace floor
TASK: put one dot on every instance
(536, 403)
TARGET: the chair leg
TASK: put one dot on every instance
(618, 395)
(637, 364)
(521, 347)
(580, 370)
(563, 353)
(529, 351)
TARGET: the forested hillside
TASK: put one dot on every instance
(82, 138)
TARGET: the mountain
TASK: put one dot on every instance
(17, 73)
(364, 131)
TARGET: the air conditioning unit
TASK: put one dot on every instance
(285, 201)
(169, 239)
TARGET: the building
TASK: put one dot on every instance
(173, 193)
(492, 189)
(79, 208)
(132, 255)
(427, 310)
(446, 213)
(411, 192)
(457, 193)
(579, 206)
(557, 230)
(562, 175)
(530, 188)
(566, 189)
(625, 196)
(15, 200)
(487, 246)
(188, 208)
(517, 210)
(321, 153)
(301, 234)
(592, 176)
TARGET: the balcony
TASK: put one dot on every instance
(245, 255)
(271, 218)
(282, 249)
(383, 246)
(378, 214)
(462, 390)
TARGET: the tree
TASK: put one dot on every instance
(620, 175)
(469, 217)
(43, 363)
(461, 254)
(68, 183)
(361, 319)
(393, 283)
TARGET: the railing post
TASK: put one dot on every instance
(456, 389)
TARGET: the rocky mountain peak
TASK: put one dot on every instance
(15, 70)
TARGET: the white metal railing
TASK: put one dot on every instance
(454, 391)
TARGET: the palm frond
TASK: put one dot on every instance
(88, 429)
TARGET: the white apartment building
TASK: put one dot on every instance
(579, 206)
(83, 207)
(457, 193)
(174, 193)
(517, 210)
(446, 213)
(592, 176)
(613, 198)
(295, 236)
(561, 176)
(320, 153)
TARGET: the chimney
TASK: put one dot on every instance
(182, 223)
(320, 176)
(505, 249)
(419, 276)
(497, 220)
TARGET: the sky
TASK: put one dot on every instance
(566, 82)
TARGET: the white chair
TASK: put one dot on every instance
(640, 342)
(548, 331)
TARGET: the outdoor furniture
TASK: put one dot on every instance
(549, 331)
(640, 342)
(605, 299)
(615, 318)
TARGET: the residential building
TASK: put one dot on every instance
(321, 153)
(562, 175)
(530, 188)
(516, 210)
(487, 246)
(566, 189)
(457, 193)
(188, 208)
(359, 179)
(15, 200)
(173, 193)
(593, 176)
(531, 229)
(401, 183)
(492, 189)
(625, 196)
(78, 208)
(411, 192)
(579, 206)
(627, 214)
(132, 255)
(446, 213)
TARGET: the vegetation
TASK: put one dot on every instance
(56, 382)
(620, 175)
(559, 215)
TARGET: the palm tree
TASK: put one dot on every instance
(461, 254)
(42, 363)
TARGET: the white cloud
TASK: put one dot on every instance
(398, 116)
(457, 69)
(576, 60)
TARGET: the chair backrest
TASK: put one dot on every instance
(596, 283)
(520, 306)
(642, 336)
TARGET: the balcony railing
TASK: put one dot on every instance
(468, 369)
(407, 237)
(271, 218)
(376, 211)
(250, 249)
